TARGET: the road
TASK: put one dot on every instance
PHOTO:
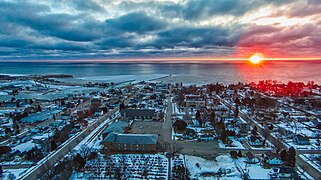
(26, 128)
(312, 171)
(167, 125)
(67, 146)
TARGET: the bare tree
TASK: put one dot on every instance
(170, 147)
(176, 148)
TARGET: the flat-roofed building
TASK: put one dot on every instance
(142, 114)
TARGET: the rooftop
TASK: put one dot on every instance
(132, 138)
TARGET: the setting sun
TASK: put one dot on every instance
(256, 58)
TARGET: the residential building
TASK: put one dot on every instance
(255, 141)
(250, 158)
(272, 159)
(301, 140)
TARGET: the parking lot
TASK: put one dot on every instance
(147, 127)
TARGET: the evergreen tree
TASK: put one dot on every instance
(53, 145)
(283, 155)
(7, 130)
(291, 156)
(213, 117)
(224, 135)
(122, 106)
(236, 112)
(239, 154)
(39, 108)
(1, 171)
(254, 131)
(79, 162)
(198, 117)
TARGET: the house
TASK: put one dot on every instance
(98, 113)
(301, 140)
(272, 159)
(189, 134)
(142, 114)
(316, 123)
(40, 116)
(205, 137)
(96, 102)
(255, 141)
(196, 101)
(9, 104)
(250, 158)
(244, 128)
(130, 142)
(283, 172)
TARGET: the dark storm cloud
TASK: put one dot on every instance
(195, 37)
(200, 9)
(92, 28)
(137, 22)
(13, 42)
(115, 42)
(58, 46)
(64, 26)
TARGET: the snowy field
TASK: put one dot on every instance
(126, 166)
(223, 167)
(297, 128)
(255, 171)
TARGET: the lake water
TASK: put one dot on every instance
(198, 73)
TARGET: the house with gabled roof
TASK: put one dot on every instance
(250, 158)
(301, 140)
(272, 158)
(255, 141)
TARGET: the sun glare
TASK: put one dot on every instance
(256, 58)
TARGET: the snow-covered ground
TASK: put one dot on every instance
(25, 146)
(313, 145)
(177, 110)
(9, 174)
(235, 145)
(313, 160)
(95, 143)
(52, 93)
(298, 128)
(255, 171)
(201, 168)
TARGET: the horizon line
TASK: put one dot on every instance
(183, 59)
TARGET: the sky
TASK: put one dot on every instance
(140, 29)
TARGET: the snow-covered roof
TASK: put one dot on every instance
(132, 138)
(25, 146)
